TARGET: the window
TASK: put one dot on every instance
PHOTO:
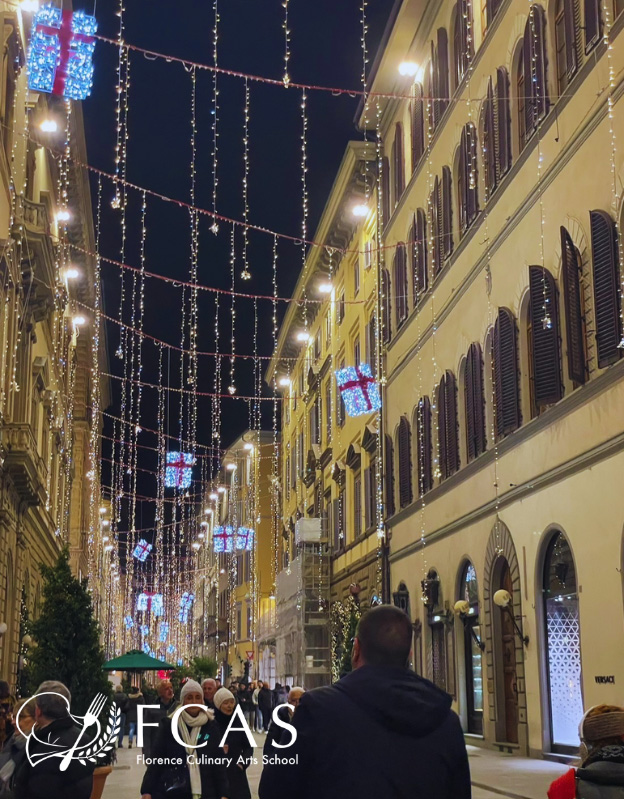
(341, 410)
(328, 329)
(418, 238)
(404, 440)
(544, 354)
(565, 42)
(606, 272)
(473, 659)
(448, 443)
(618, 7)
(385, 190)
(441, 210)
(301, 456)
(357, 354)
(328, 411)
(315, 421)
(463, 39)
(389, 475)
(496, 131)
(339, 516)
(357, 505)
(398, 163)
(340, 315)
(239, 621)
(489, 8)
(249, 621)
(293, 465)
(505, 357)
(370, 495)
(317, 344)
(371, 344)
(474, 398)
(424, 445)
(368, 254)
(593, 28)
(573, 303)
(531, 80)
(439, 77)
(468, 178)
(386, 306)
(356, 277)
(417, 118)
(400, 284)
(287, 475)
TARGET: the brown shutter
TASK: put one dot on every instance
(399, 163)
(421, 240)
(425, 451)
(570, 36)
(452, 426)
(606, 288)
(472, 200)
(389, 477)
(385, 190)
(400, 284)
(443, 87)
(336, 524)
(469, 402)
(474, 402)
(592, 24)
(541, 87)
(503, 122)
(447, 212)
(367, 499)
(418, 125)
(434, 111)
(571, 270)
(529, 85)
(505, 354)
(489, 142)
(463, 178)
(547, 388)
(405, 463)
(441, 403)
(434, 205)
(387, 306)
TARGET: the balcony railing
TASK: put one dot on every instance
(35, 215)
(24, 464)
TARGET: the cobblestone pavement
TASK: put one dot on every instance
(494, 776)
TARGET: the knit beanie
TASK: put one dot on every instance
(188, 687)
(222, 696)
(608, 724)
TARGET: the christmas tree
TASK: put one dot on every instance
(68, 637)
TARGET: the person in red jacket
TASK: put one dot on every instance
(601, 774)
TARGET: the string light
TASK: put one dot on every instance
(285, 26)
(246, 274)
(232, 386)
(215, 114)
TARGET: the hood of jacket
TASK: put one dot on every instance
(397, 699)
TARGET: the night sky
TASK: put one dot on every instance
(325, 50)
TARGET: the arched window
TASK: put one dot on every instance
(565, 42)
(491, 8)
(544, 349)
(593, 27)
(606, 271)
(469, 592)
(468, 178)
(496, 131)
(398, 163)
(405, 463)
(463, 39)
(439, 78)
(424, 446)
(400, 284)
(474, 399)
(386, 306)
(441, 219)
(385, 190)
(574, 313)
(531, 86)
(389, 475)
(505, 355)
(418, 124)
(563, 645)
(448, 442)
(418, 237)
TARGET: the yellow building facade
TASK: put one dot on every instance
(503, 361)
(50, 389)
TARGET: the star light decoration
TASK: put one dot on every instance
(60, 58)
(359, 389)
(142, 550)
(150, 601)
(185, 605)
(179, 469)
(230, 539)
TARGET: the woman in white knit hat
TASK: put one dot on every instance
(200, 774)
(237, 746)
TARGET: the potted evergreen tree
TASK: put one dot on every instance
(68, 646)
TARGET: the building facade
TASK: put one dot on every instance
(50, 386)
(503, 345)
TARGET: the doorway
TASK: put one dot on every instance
(506, 676)
(473, 665)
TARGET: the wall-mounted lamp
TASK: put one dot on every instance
(502, 598)
(462, 609)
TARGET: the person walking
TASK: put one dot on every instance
(236, 747)
(54, 728)
(278, 734)
(257, 712)
(265, 703)
(120, 698)
(135, 698)
(601, 774)
(7, 703)
(168, 703)
(14, 751)
(209, 687)
(247, 705)
(406, 722)
(199, 775)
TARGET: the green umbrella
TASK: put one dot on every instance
(135, 660)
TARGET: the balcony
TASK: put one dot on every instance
(32, 227)
(34, 216)
(23, 463)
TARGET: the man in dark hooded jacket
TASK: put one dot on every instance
(381, 731)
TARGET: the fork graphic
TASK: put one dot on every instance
(91, 717)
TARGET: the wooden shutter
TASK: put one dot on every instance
(474, 402)
(570, 36)
(425, 451)
(606, 287)
(451, 424)
(399, 163)
(434, 205)
(547, 388)
(489, 142)
(444, 90)
(367, 499)
(447, 212)
(418, 125)
(463, 182)
(472, 202)
(400, 284)
(540, 85)
(357, 506)
(441, 402)
(420, 249)
(336, 524)
(386, 306)
(405, 463)
(434, 104)
(503, 133)
(592, 23)
(389, 476)
(571, 269)
(505, 354)
(385, 190)
(529, 85)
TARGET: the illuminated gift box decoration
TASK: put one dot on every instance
(233, 539)
(185, 605)
(179, 469)
(129, 622)
(60, 58)
(142, 550)
(170, 649)
(150, 601)
(144, 629)
(164, 631)
(359, 389)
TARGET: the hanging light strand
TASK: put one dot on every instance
(246, 274)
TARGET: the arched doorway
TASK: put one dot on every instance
(563, 645)
(507, 678)
(473, 666)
